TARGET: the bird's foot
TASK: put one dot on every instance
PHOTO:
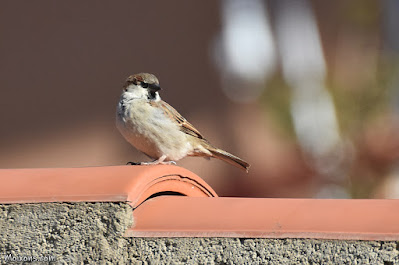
(159, 161)
(156, 162)
(168, 163)
(133, 163)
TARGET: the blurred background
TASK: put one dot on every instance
(306, 91)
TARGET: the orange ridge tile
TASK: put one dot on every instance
(133, 184)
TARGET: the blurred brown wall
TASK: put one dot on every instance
(63, 63)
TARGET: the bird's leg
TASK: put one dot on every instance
(159, 161)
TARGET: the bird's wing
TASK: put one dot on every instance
(170, 112)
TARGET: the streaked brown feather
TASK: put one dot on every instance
(185, 126)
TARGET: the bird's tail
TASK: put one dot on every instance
(229, 158)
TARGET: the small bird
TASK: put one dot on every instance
(155, 128)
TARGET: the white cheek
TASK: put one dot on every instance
(135, 92)
(157, 97)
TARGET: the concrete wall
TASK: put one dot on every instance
(92, 233)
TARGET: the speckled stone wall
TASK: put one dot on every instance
(92, 233)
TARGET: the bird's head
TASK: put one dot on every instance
(142, 85)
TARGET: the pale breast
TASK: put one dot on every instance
(149, 130)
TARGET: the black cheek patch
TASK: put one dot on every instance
(151, 95)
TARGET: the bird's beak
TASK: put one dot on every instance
(154, 87)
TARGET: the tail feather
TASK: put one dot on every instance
(229, 158)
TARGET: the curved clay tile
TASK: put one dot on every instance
(133, 184)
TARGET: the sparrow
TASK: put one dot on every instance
(155, 128)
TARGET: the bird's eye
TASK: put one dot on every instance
(144, 84)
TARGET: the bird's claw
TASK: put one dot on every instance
(156, 162)
(133, 163)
